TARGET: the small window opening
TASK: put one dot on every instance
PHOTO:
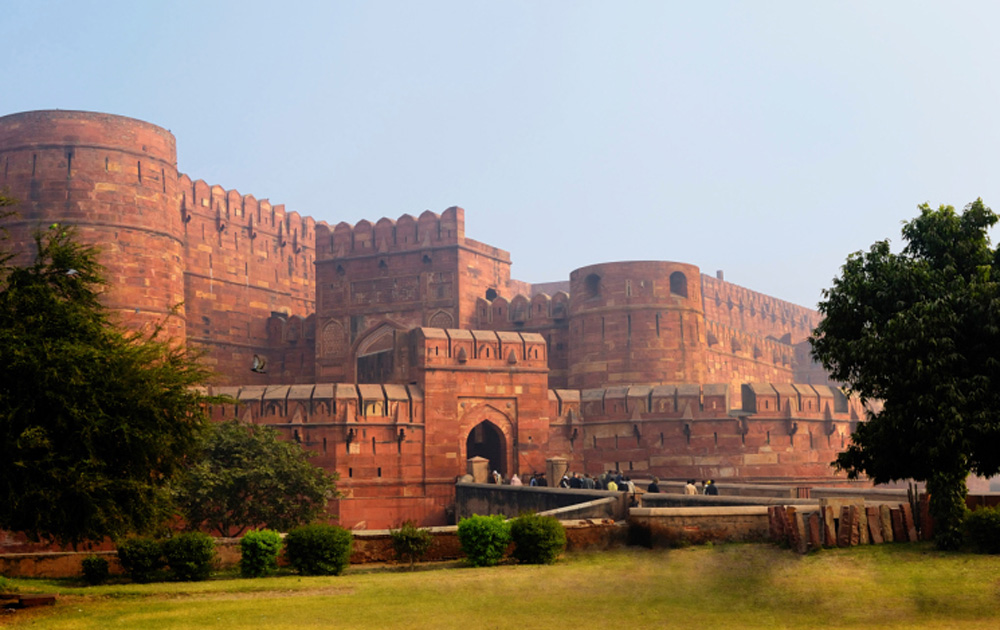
(678, 284)
(592, 285)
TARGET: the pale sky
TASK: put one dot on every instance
(766, 139)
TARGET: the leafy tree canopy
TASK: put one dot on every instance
(94, 420)
(247, 477)
(919, 331)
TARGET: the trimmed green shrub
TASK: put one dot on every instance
(190, 555)
(484, 539)
(259, 551)
(410, 542)
(982, 529)
(95, 569)
(6, 586)
(537, 539)
(319, 549)
(141, 558)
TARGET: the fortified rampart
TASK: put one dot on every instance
(214, 265)
(399, 349)
(115, 180)
(246, 260)
(398, 449)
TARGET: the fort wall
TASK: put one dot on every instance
(742, 309)
(635, 322)
(245, 259)
(115, 180)
(404, 274)
(396, 350)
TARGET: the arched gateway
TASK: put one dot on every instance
(487, 441)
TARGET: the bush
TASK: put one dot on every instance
(982, 529)
(6, 586)
(95, 569)
(410, 542)
(141, 558)
(259, 553)
(537, 539)
(319, 549)
(190, 555)
(484, 539)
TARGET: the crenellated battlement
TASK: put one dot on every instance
(230, 210)
(541, 310)
(440, 348)
(386, 236)
(318, 404)
(723, 338)
(712, 401)
(742, 308)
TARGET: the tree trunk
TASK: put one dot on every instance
(947, 506)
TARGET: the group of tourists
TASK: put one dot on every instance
(707, 487)
(612, 480)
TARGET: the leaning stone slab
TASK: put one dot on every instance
(844, 527)
(911, 527)
(926, 523)
(874, 525)
(815, 533)
(856, 526)
(829, 526)
(898, 529)
(885, 521)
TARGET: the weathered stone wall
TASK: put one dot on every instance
(244, 260)
(115, 180)
(511, 501)
(696, 525)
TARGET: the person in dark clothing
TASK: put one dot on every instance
(654, 486)
(710, 488)
(575, 482)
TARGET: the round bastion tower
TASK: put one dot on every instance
(636, 323)
(115, 180)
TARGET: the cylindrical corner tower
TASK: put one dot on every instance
(115, 180)
(636, 323)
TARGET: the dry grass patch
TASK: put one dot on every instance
(730, 586)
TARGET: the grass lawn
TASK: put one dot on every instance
(728, 586)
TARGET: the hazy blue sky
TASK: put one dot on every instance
(767, 139)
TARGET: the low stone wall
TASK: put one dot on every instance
(697, 525)
(511, 501)
(664, 500)
(370, 546)
(60, 564)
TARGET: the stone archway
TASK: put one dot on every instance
(374, 359)
(487, 440)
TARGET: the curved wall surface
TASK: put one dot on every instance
(636, 322)
(114, 179)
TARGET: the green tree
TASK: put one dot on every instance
(247, 477)
(919, 332)
(94, 420)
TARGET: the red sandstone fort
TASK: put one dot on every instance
(399, 349)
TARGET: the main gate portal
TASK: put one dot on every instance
(486, 440)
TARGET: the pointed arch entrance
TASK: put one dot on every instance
(488, 441)
(375, 356)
